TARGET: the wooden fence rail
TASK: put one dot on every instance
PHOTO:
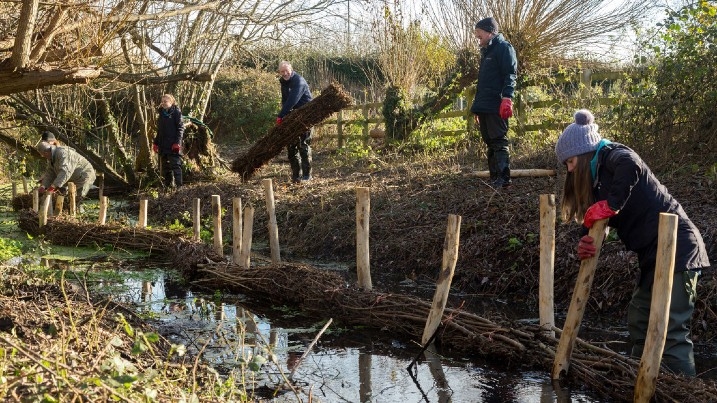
(370, 114)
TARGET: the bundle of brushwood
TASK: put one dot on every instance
(184, 254)
(326, 294)
(332, 99)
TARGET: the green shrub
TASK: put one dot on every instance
(243, 105)
(9, 248)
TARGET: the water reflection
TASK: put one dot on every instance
(345, 366)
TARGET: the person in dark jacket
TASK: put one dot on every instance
(295, 92)
(168, 141)
(493, 103)
(608, 180)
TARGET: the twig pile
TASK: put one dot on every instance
(183, 253)
(332, 99)
(326, 294)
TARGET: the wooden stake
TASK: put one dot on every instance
(45, 209)
(578, 303)
(197, 218)
(273, 227)
(659, 309)
(72, 194)
(363, 262)
(245, 255)
(142, 219)
(104, 203)
(59, 204)
(101, 182)
(547, 263)
(14, 189)
(24, 184)
(236, 230)
(217, 216)
(35, 199)
(443, 285)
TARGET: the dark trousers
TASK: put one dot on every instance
(494, 132)
(300, 157)
(172, 169)
(678, 354)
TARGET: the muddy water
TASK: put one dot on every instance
(345, 365)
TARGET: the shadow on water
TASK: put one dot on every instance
(345, 365)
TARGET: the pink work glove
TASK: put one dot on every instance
(586, 249)
(506, 108)
(597, 211)
(175, 148)
(279, 120)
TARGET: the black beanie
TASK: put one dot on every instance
(488, 25)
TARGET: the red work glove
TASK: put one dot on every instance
(586, 249)
(41, 190)
(597, 211)
(175, 148)
(506, 108)
(155, 148)
(51, 189)
(279, 120)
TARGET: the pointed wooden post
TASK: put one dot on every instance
(24, 184)
(445, 277)
(142, 219)
(246, 235)
(217, 216)
(35, 200)
(72, 194)
(101, 183)
(236, 230)
(363, 262)
(104, 203)
(59, 204)
(273, 227)
(659, 309)
(14, 189)
(547, 263)
(579, 301)
(44, 209)
(197, 218)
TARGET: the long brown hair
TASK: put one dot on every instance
(577, 190)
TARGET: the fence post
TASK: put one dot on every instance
(340, 127)
(236, 230)
(586, 81)
(197, 218)
(363, 262)
(445, 277)
(72, 192)
(547, 263)
(217, 215)
(142, 219)
(246, 235)
(104, 201)
(273, 227)
(364, 112)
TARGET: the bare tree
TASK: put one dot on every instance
(542, 31)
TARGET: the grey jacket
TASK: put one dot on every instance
(66, 165)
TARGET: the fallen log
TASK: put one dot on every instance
(332, 99)
(519, 173)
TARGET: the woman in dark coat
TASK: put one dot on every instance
(608, 180)
(168, 142)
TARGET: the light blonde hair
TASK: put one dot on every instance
(171, 98)
(577, 190)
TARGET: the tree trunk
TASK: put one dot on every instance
(25, 30)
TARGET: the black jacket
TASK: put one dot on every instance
(496, 76)
(294, 93)
(170, 129)
(628, 185)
